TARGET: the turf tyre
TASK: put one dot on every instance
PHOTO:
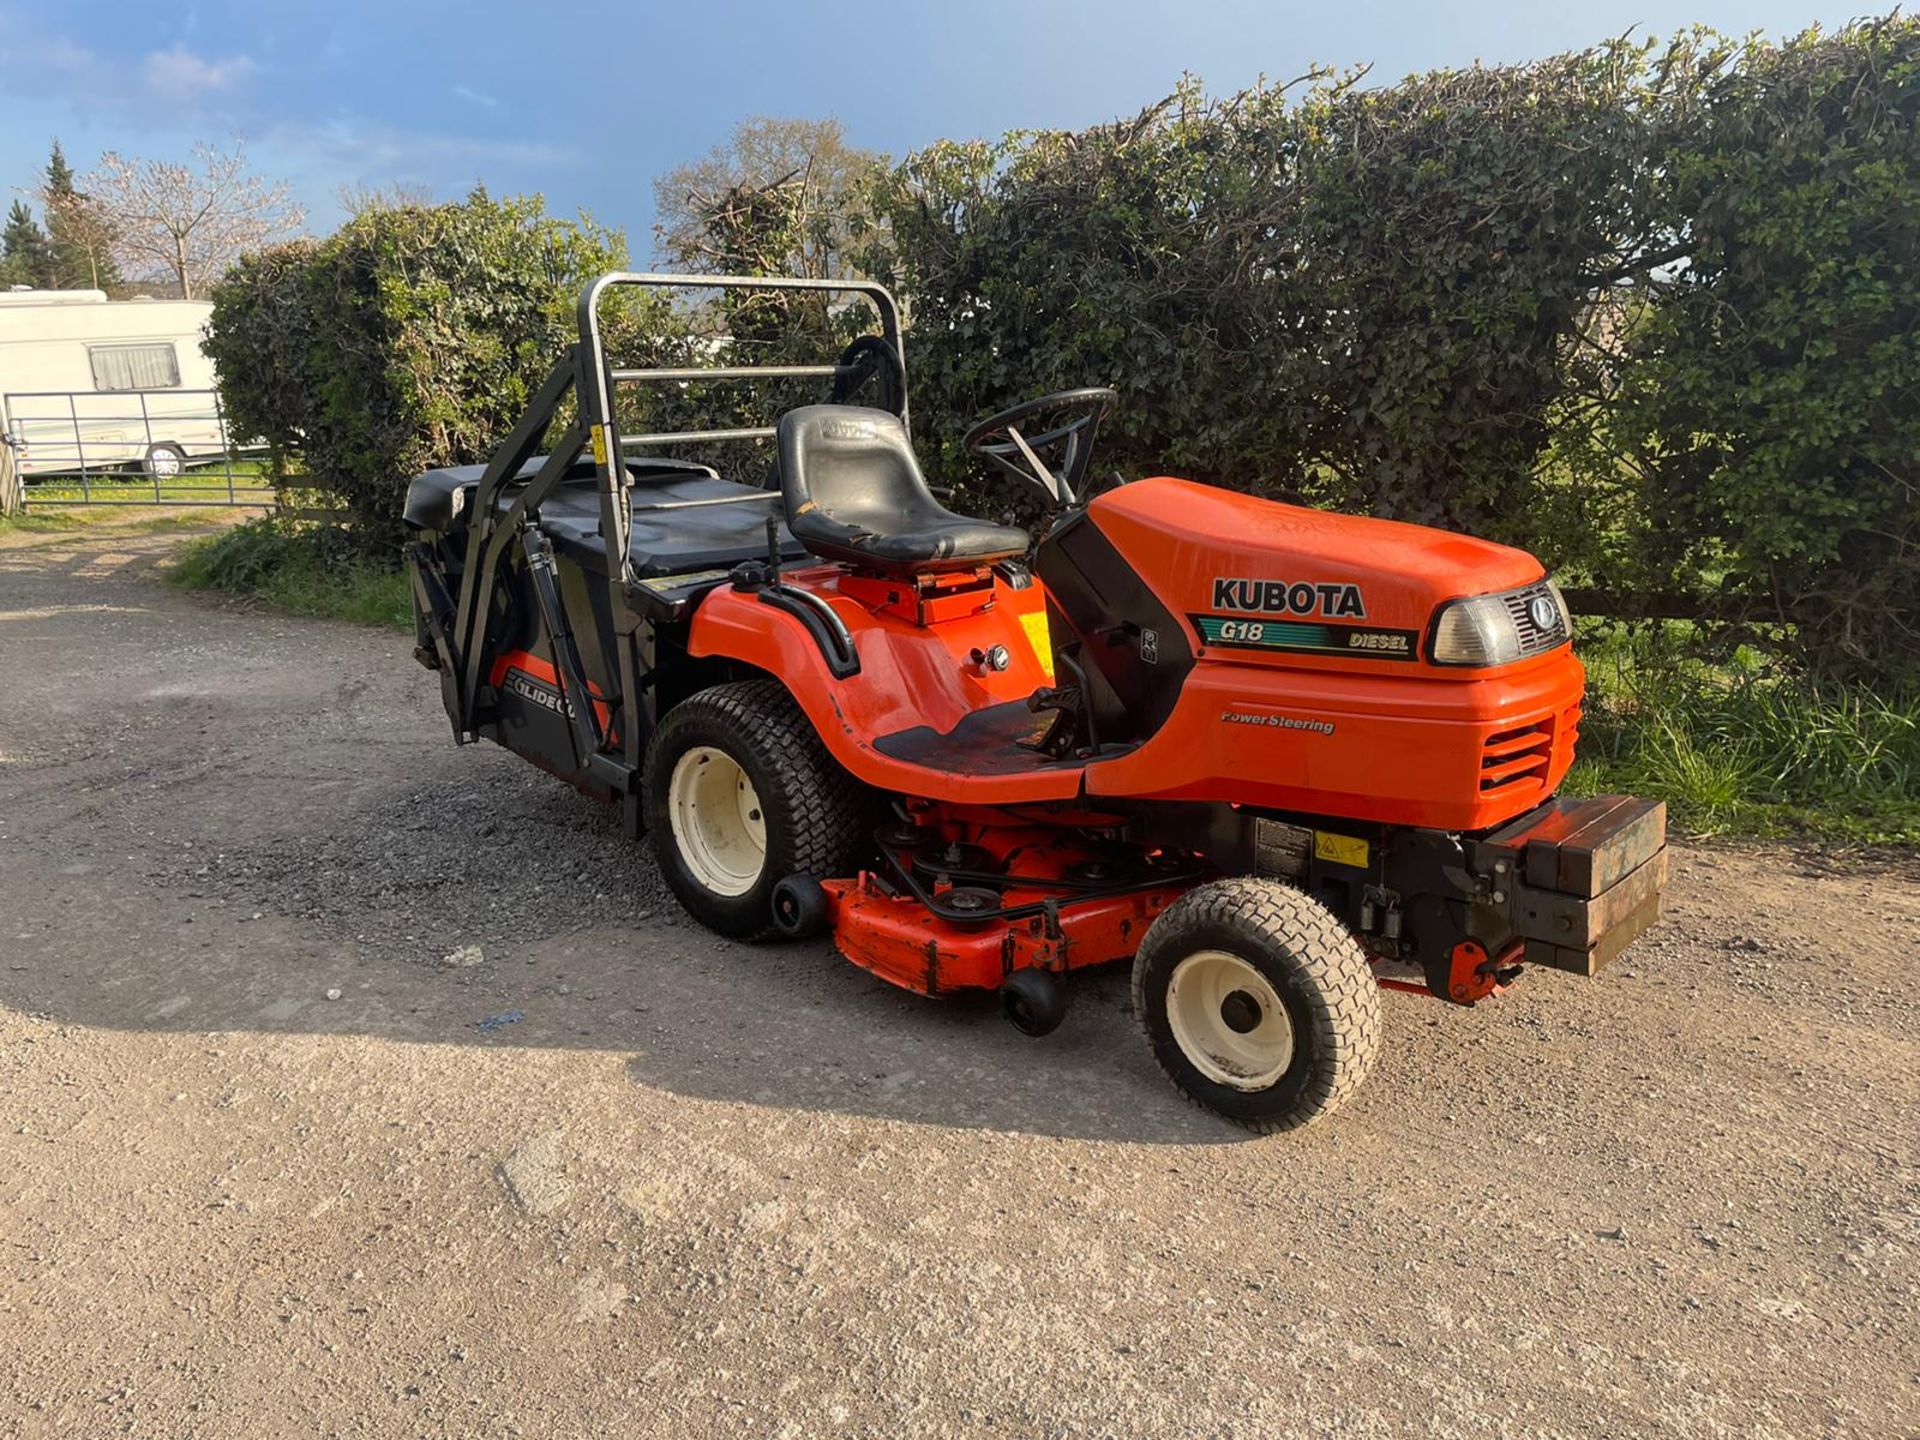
(816, 816)
(1312, 967)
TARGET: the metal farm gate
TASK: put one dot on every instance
(125, 447)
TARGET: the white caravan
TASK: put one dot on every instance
(90, 384)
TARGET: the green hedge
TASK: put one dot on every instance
(1649, 311)
(1769, 401)
(411, 338)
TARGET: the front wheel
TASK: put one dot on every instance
(1258, 1003)
(741, 795)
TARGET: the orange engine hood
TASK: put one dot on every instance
(1204, 550)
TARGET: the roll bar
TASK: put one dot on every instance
(598, 379)
(612, 758)
(590, 339)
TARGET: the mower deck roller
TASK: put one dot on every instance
(1278, 758)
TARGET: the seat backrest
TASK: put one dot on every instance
(854, 465)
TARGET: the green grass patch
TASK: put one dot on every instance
(249, 482)
(1738, 749)
(302, 568)
(1735, 749)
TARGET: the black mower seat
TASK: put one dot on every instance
(855, 494)
(685, 518)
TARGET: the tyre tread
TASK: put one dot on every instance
(829, 807)
(1345, 998)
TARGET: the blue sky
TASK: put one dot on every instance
(587, 102)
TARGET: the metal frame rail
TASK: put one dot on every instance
(461, 629)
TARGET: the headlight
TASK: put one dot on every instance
(1499, 629)
(1475, 632)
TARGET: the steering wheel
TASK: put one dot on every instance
(1067, 422)
(871, 360)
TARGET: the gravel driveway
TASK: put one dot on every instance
(355, 1084)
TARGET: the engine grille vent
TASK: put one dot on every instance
(1516, 757)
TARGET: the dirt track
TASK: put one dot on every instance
(701, 1189)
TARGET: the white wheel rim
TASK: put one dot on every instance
(1228, 1021)
(165, 462)
(719, 827)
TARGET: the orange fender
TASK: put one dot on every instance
(910, 675)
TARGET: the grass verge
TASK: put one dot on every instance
(303, 568)
(119, 521)
(1735, 750)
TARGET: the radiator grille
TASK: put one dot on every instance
(1535, 638)
(1569, 736)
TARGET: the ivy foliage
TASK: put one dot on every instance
(1357, 296)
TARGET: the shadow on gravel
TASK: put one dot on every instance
(249, 917)
(800, 1028)
(219, 822)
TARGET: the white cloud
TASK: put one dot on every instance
(384, 152)
(91, 80)
(96, 101)
(179, 71)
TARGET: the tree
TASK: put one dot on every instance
(26, 257)
(410, 339)
(777, 197)
(82, 237)
(358, 199)
(190, 222)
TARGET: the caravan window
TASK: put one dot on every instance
(135, 367)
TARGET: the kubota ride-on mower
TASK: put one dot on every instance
(1279, 757)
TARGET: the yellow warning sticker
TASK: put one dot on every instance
(1340, 849)
(1034, 622)
(599, 444)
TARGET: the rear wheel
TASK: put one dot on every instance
(1258, 1003)
(741, 794)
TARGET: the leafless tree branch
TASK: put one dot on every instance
(189, 222)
